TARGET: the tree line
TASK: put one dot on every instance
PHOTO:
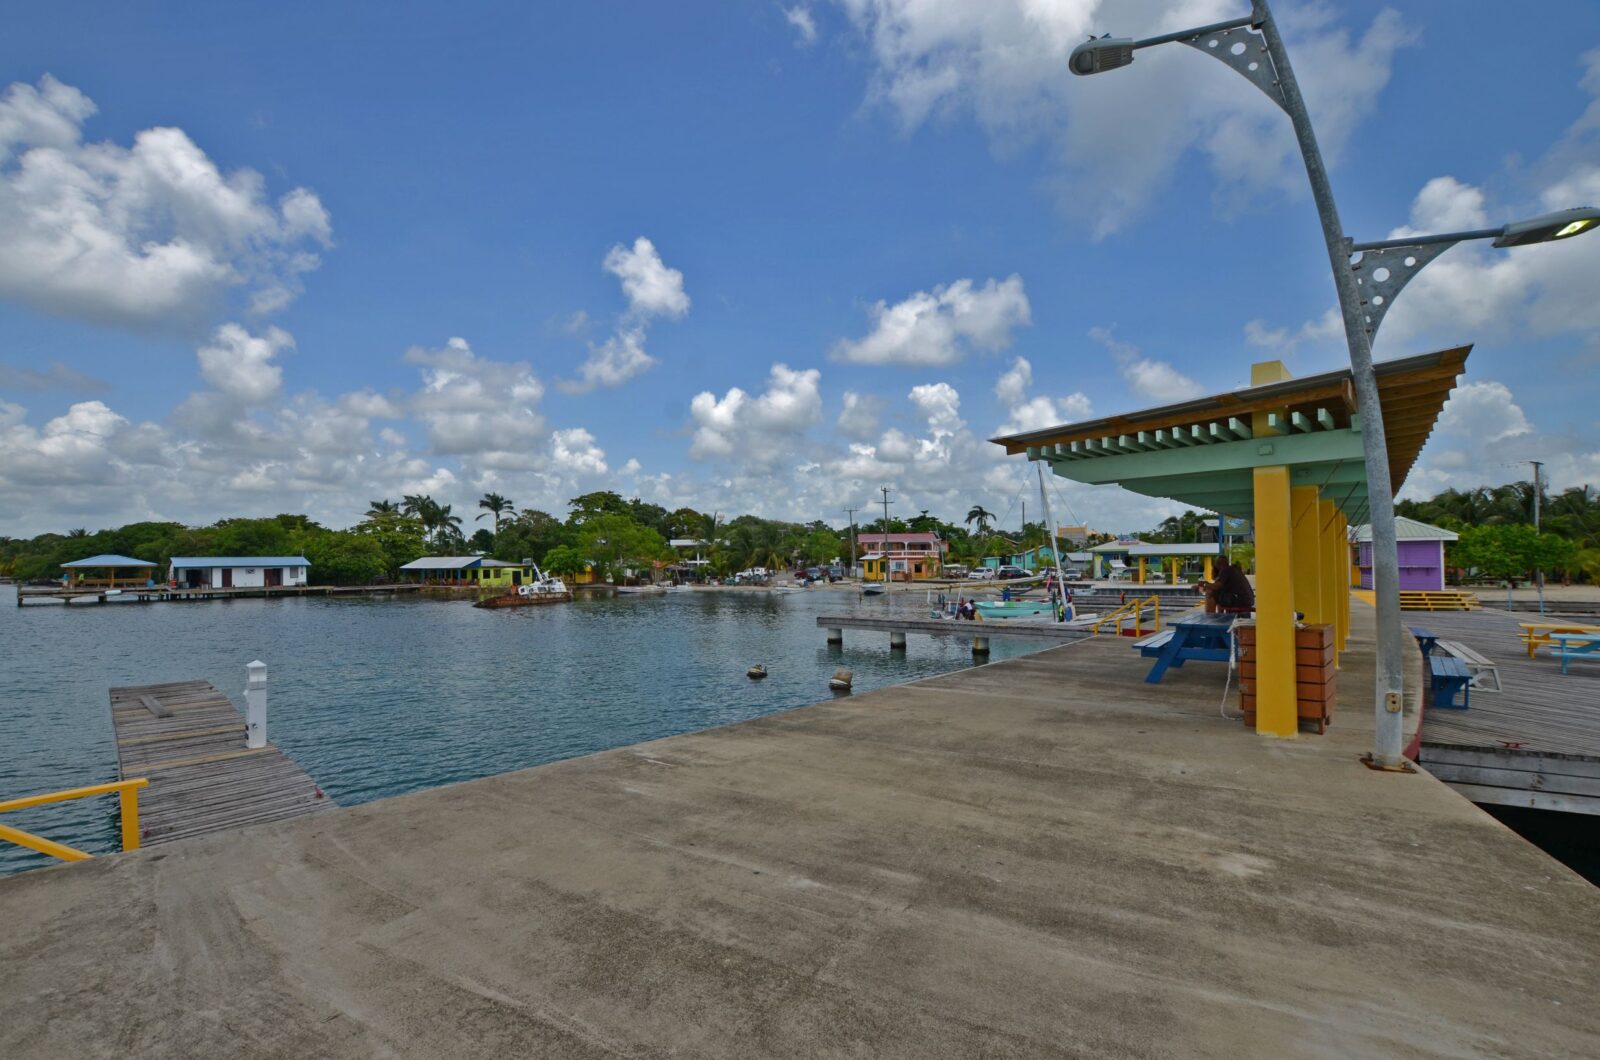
(1498, 540)
(604, 531)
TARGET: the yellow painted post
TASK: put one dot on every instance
(1174, 579)
(1328, 568)
(1276, 713)
(130, 818)
(1141, 570)
(1343, 630)
(1208, 568)
(1306, 557)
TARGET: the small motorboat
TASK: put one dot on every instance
(787, 589)
(874, 589)
(640, 590)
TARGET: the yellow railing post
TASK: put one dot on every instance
(128, 790)
(130, 818)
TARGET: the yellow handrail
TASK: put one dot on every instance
(1133, 609)
(127, 789)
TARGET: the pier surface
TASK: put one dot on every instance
(188, 739)
(1534, 743)
(1039, 857)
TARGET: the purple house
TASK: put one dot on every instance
(1421, 549)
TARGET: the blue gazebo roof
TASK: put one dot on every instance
(109, 560)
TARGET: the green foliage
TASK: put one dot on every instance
(615, 542)
(342, 558)
(399, 539)
(1510, 550)
(564, 559)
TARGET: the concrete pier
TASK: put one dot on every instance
(1040, 857)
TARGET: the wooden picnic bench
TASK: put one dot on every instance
(1538, 635)
(1481, 667)
(1449, 676)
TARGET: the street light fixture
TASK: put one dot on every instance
(1253, 48)
(1383, 267)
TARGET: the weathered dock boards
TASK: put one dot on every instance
(1536, 743)
(189, 741)
(955, 628)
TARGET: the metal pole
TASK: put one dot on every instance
(851, 512)
(1538, 492)
(1055, 545)
(1389, 699)
(1380, 493)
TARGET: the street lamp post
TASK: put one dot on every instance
(1252, 47)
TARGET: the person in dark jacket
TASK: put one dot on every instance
(1229, 591)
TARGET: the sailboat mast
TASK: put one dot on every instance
(1055, 545)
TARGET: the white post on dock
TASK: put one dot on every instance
(255, 705)
(897, 640)
(835, 634)
(980, 645)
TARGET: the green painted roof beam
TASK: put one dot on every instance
(1323, 447)
(1301, 422)
(1242, 502)
(1325, 419)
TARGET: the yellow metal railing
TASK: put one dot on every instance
(1133, 610)
(127, 789)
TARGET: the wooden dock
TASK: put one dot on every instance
(189, 740)
(1534, 744)
(162, 593)
(953, 627)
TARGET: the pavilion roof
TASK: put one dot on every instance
(109, 560)
(1202, 451)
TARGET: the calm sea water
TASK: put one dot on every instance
(384, 695)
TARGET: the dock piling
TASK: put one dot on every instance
(835, 635)
(980, 645)
(897, 640)
(255, 701)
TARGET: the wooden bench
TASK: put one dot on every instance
(1153, 644)
(1576, 647)
(1450, 675)
(1480, 667)
(1536, 635)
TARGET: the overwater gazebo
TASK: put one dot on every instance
(109, 571)
(1283, 452)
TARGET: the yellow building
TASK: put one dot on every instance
(902, 557)
(469, 571)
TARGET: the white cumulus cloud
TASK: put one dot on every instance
(242, 365)
(759, 430)
(938, 327)
(574, 450)
(1148, 379)
(804, 23)
(1117, 139)
(153, 236)
(652, 288)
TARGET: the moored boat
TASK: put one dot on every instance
(544, 589)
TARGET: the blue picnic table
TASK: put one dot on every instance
(1426, 639)
(1198, 637)
(1575, 646)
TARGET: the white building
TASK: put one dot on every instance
(238, 572)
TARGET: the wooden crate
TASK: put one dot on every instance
(1316, 678)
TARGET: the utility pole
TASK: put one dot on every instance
(851, 512)
(1538, 492)
(885, 490)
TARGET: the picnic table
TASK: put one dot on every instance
(1575, 646)
(1198, 637)
(1426, 639)
(1542, 634)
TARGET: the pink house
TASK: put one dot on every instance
(1421, 549)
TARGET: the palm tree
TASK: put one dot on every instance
(448, 526)
(414, 504)
(378, 509)
(497, 506)
(980, 515)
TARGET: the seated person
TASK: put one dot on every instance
(1229, 591)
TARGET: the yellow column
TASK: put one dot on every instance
(1208, 568)
(1141, 570)
(1329, 569)
(1306, 545)
(1276, 714)
(1342, 532)
(1174, 579)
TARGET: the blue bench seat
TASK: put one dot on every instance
(1450, 676)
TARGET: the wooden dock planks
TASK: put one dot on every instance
(202, 776)
(1535, 743)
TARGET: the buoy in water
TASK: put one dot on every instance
(841, 680)
(757, 671)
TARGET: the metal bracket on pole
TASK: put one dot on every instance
(1382, 273)
(1245, 51)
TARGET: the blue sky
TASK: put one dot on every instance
(747, 257)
